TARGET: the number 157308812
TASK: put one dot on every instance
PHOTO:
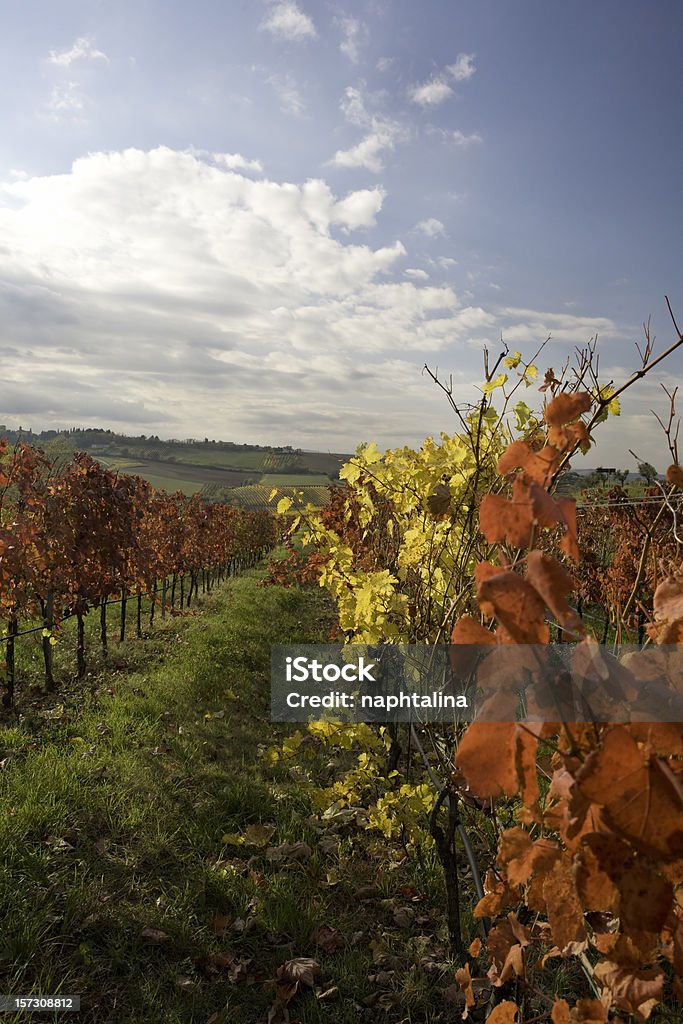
(53, 1004)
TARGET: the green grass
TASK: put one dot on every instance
(111, 822)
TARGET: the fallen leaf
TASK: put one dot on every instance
(289, 852)
(154, 935)
(258, 835)
(301, 970)
(328, 938)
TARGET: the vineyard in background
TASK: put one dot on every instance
(560, 841)
(259, 496)
(84, 537)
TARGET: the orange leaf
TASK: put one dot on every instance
(645, 898)
(499, 895)
(560, 1012)
(588, 1011)
(565, 408)
(641, 800)
(538, 466)
(503, 520)
(674, 475)
(496, 758)
(464, 980)
(505, 953)
(520, 857)
(553, 583)
(468, 634)
(569, 543)
(565, 913)
(504, 1013)
(486, 756)
(668, 608)
(660, 737)
(516, 605)
(636, 991)
(599, 866)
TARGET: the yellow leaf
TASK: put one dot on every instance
(272, 494)
(258, 835)
(283, 505)
(371, 454)
(497, 383)
(350, 472)
(232, 839)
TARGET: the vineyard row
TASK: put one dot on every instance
(79, 538)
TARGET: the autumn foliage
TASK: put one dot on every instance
(71, 540)
(594, 868)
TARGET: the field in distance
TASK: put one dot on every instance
(212, 467)
(256, 496)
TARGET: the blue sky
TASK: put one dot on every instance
(258, 220)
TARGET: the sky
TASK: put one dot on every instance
(257, 221)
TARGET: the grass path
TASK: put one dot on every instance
(116, 883)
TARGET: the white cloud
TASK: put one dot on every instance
(227, 305)
(82, 49)
(384, 63)
(200, 289)
(355, 35)
(533, 326)
(431, 227)
(382, 134)
(460, 139)
(287, 20)
(437, 89)
(463, 68)
(353, 107)
(237, 162)
(359, 209)
(431, 93)
(365, 153)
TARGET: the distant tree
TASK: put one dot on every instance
(594, 479)
(648, 472)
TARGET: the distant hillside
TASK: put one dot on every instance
(190, 465)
